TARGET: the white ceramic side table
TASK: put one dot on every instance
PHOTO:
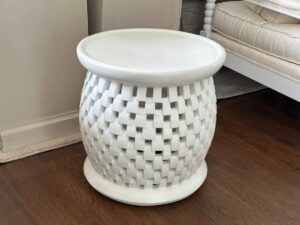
(148, 112)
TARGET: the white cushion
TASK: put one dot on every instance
(255, 8)
(276, 17)
(272, 16)
(282, 67)
(238, 22)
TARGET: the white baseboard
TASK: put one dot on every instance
(39, 136)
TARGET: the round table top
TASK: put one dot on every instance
(151, 56)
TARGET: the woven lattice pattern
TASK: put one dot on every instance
(146, 137)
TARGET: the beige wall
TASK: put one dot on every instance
(39, 72)
(118, 14)
(40, 75)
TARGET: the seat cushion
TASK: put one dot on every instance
(238, 22)
(255, 8)
(271, 15)
(282, 67)
(276, 17)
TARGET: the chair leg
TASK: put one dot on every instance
(209, 12)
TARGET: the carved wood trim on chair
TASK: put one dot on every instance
(208, 15)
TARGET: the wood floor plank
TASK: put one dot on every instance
(264, 148)
(12, 210)
(41, 194)
(256, 185)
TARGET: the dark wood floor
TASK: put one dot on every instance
(253, 177)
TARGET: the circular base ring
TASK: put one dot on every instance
(144, 197)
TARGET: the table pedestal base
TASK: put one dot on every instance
(145, 197)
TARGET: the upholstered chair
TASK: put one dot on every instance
(262, 40)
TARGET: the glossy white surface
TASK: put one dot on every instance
(151, 56)
(148, 113)
(146, 138)
(144, 197)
